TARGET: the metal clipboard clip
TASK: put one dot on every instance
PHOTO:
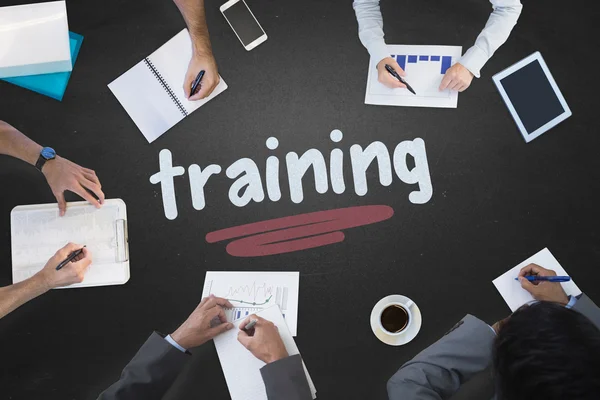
(122, 236)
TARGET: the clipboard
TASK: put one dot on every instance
(37, 232)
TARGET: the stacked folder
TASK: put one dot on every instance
(37, 51)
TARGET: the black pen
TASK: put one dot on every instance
(393, 72)
(70, 258)
(196, 82)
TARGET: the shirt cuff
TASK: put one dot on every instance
(572, 301)
(173, 343)
(473, 60)
(378, 51)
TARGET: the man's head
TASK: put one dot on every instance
(546, 351)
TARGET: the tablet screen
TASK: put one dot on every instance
(532, 96)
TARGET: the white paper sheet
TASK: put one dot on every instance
(425, 67)
(251, 292)
(511, 290)
(147, 100)
(242, 369)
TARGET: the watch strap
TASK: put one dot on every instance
(41, 161)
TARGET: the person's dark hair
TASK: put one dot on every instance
(546, 351)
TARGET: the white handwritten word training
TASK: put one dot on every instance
(248, 184)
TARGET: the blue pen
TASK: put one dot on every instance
(535, 278)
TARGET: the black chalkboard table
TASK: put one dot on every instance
(496, 200)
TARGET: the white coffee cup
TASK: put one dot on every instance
(406, 307)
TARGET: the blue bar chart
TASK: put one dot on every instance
(238, 313)
(424, 69)
(403, 59)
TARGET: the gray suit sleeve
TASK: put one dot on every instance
(588, 308)
(150, 373)
(286, 380)
(438, 371)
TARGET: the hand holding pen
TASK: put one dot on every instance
(262, 339)
(391, 74)
(73, 260)
(204, 82)
(385, 78)
(74, 255)
(543, 288)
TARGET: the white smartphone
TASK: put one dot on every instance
(243, 23)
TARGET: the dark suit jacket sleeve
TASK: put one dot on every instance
(286, 380)
(150, 373)
(438, 371)
(588, 308)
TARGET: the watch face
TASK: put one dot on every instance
(48, 153)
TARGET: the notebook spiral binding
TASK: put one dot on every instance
(166, 86)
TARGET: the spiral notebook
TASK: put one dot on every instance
(152, 91)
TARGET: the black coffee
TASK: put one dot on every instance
(394, 318)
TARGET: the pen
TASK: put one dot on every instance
(393, 72)
(70, 258)
(196, 82)
(250, 325)
(535, 278)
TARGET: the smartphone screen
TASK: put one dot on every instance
(243, 23)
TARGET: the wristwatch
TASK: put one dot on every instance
(46, 154)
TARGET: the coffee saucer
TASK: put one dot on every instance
(404, 337)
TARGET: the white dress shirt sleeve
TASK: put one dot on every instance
(572, 301)
(173, 343)
(497, 29)
(370, 28)
(501, 22)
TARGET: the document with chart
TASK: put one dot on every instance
(251, 292)
(242, 370)
(425, 67)
(37, 232)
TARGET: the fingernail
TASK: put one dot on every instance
(229, 326)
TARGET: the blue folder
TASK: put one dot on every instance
(51, 85)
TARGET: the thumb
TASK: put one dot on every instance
(62, 204)
(244, 339)
(217, 330)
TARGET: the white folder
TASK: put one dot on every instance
(34, 39)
